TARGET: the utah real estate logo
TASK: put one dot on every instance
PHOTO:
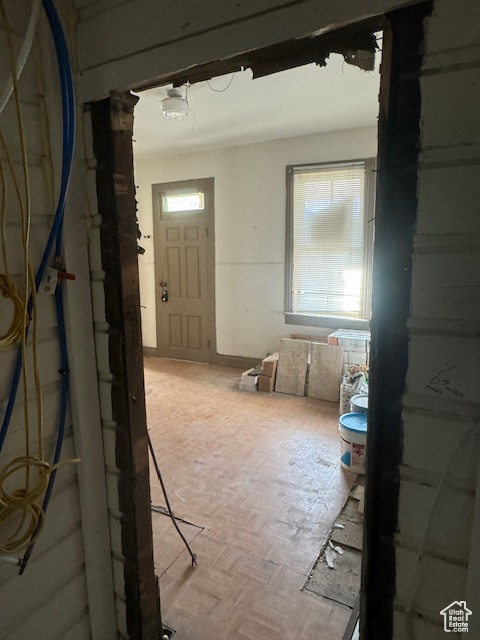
(455, 617)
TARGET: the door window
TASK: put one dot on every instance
(185, 202)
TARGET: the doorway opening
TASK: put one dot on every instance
(397, 152)
(256, 480)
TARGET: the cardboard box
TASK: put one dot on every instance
(266, 383)
(269, 365)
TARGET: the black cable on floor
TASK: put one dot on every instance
(167, 502)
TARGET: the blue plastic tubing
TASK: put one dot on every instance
(56, 233)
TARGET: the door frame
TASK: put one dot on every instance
(209, 184)
(389, 330)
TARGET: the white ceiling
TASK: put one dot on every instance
(297, 102)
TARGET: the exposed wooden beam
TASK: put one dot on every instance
(395, 216)
(355, 42)
(112, 121)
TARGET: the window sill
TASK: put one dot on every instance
(328, 322)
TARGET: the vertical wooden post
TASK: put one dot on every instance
(112, 121)
(396, 212)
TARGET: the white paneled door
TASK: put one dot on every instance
(183, 213)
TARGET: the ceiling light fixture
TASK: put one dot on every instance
(175, 106)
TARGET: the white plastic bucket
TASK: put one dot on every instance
(359, 403)
(353, 435)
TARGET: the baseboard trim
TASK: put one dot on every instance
(236, 362)
(150, 352)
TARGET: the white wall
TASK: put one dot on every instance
(440, 428)
(67, 588)
(150, 40)
(250, 213)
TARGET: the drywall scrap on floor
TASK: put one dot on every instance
(336, 574)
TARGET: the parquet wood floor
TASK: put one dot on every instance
(259, 476)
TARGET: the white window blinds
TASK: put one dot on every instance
(328, 259)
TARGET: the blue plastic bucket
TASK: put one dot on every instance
(353, 435)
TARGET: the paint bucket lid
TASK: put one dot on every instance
(359, 403)
(354, 422)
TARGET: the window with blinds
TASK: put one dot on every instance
(330, 248)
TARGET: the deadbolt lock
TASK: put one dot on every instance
(164, 295)
(162, 284)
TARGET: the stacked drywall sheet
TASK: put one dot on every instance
(356, 347)
(305, 367)
(292, 367)
(325, 371)
(321, 363)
